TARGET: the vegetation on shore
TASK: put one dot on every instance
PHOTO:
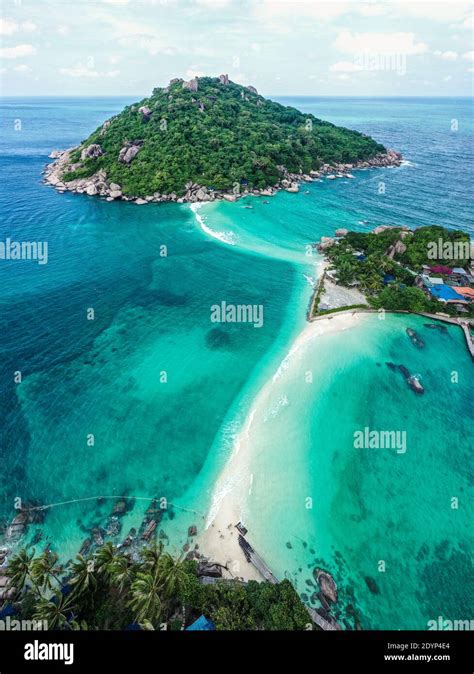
(217, 136)
(387, 266)
(113, 590)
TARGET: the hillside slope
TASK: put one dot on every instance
(207, 132)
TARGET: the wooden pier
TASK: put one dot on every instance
(254, 558)
(322, 622)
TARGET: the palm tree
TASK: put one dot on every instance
(173, 576)
(57, 611)
(20, 571)
(83, 579)
(43, 570)
(122, 573)
(151, 555)
(105, 558)
(145, 591)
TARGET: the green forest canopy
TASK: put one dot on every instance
(216, 137)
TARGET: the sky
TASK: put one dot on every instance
(300, 47)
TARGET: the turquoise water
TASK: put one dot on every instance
(165, 392)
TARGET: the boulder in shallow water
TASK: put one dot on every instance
(326, 583)
(372, 585)
(91, 190)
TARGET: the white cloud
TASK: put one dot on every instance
(371, 10)
(448, 78)
(345, 67)
(18, 51)
(217, 4)
(62, 29)
(379, 43)
(344, 76)
(28, 27)
(150, 44)
(193, 72)
(469, 56)
(238, 78)
(82, 70)
(468, 23)
(22, 68)
(443, 12)
(315, 9)
(447, 55)
(9, 27)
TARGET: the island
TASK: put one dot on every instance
(209, 138)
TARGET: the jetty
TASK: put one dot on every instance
(464, 323)
(254, 558)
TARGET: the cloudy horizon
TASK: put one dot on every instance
(308, 47)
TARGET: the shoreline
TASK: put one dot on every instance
(219, 539)
(98, 186)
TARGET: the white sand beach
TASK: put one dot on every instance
(219, 540)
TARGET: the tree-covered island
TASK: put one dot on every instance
(209, 138)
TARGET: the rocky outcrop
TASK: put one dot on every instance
(341, 232)
(105, 126)
(398, 248)
(224, 79)
(91, 152)
(327, 584)
(383, 228)
(129, 152)
(252, 89)
(191, 85)
(97, 185)
(145, 111)
(326, 242)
